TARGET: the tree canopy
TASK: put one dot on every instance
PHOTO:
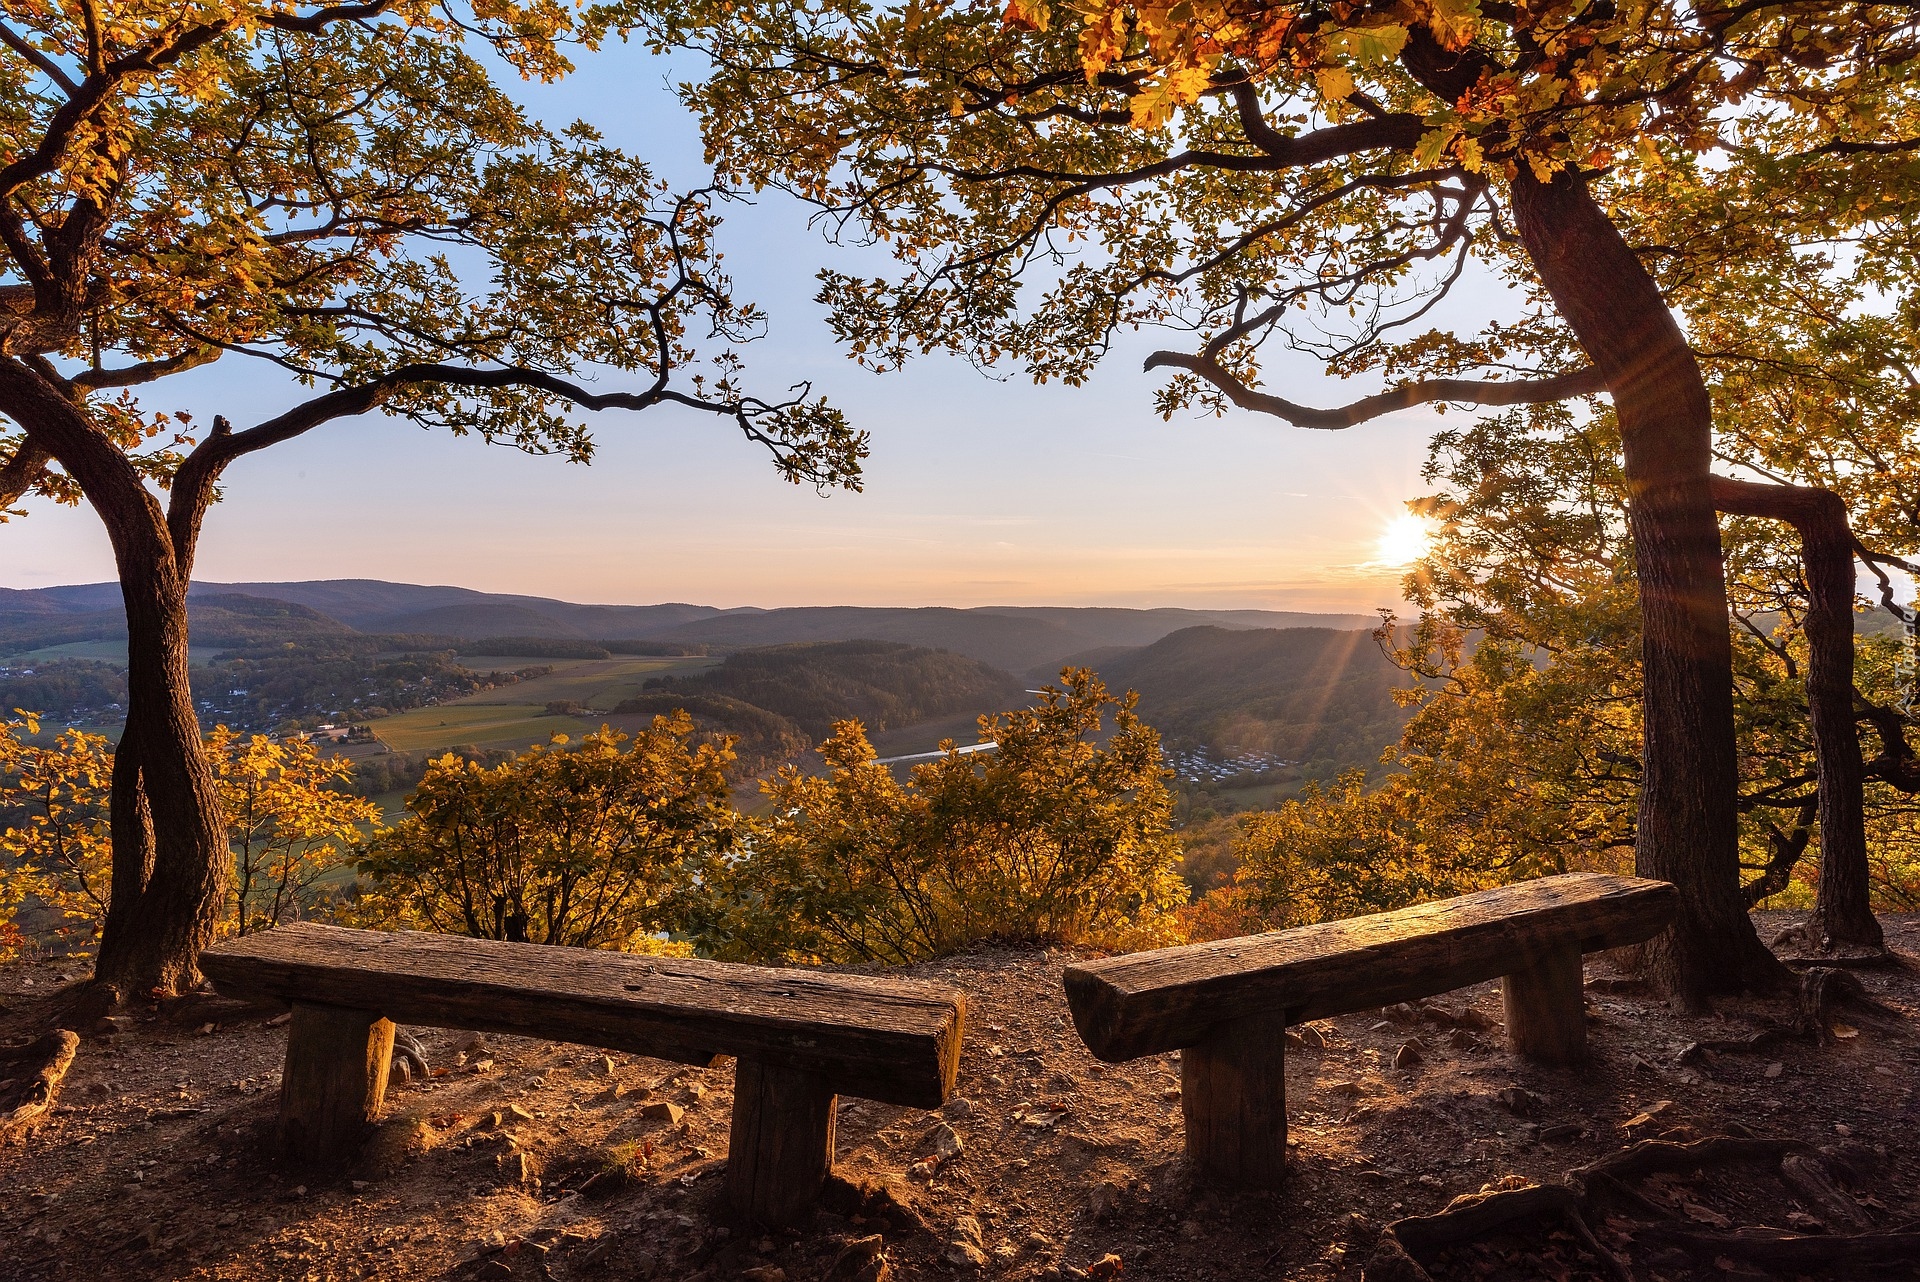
(1320, 178)
(1308, 177)
(344, 192)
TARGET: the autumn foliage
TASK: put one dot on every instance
(588, 845)
(1054, 837)
(293, 831)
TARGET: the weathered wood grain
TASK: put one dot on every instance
(334, 1082)
(1233, 1096)
(780, 1150)
(1147, 1003)
(1546, 1008)
(896, 1041)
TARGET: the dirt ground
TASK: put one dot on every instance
(528, 1160)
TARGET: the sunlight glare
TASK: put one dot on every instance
(1404, 541)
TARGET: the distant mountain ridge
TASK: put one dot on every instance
(1018, 639)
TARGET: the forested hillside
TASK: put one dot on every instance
(763, 740)
(1306, 694)
(228, 618)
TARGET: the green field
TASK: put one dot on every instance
(516, 716)
(112, 651)
(593, 683)
(485, 725)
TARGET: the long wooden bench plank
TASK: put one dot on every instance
(1148, 1003)
(889, 1040)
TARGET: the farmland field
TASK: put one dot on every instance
(485, 725)
(112, 650)
(593, 683)
(516, 716)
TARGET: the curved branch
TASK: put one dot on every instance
(47, 66)
(314, 23)
(145, 371)
(22, 472)
(1464, 391)
(1842, 911)
(193, 485)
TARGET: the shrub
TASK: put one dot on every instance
(289, 825)
(289, 821)
(56, 854)
(583, 845)
(1345, 851)
(1052, 837)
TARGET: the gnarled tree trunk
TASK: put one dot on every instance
(170, 854)
(1688, 820)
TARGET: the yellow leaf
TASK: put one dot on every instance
(1027, 15)
(1336, 83)
(1432, 145)
(1454, 23)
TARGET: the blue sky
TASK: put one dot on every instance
(978, 492)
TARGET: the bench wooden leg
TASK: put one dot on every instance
(334, 1082)
(1233, 1092)
(1546, 1008)
(780, 1151)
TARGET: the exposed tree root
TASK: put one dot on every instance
(1813, 1183)
(1810, 951)
(1766, 1037)
(1399, 1255)
(30, 1079)
(1793, 1252)
(1650, 1157)
(1409, 1248)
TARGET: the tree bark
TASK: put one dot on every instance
(1843, 910)
(155, 941)
(1688, 822)
(170, 851)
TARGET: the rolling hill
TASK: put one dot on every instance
(1306, 694)
(884, 684)
(1020, 639)
(216, 618)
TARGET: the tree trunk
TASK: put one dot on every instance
(169, 845)
(1688, 830)
(1842, 912)
(154, 941)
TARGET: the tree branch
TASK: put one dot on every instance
(1466, 391)
(145, 371)
(22, 46)
(319, 20)
(22, 472)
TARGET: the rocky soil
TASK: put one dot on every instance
(524, 1159)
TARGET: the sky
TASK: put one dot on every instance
(978, 492)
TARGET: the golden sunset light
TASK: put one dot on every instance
(1404, 541)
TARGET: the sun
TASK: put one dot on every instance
(1404, 541)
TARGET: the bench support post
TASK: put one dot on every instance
(334, 1081)
(780, 1151)
(1546, 1008)
(1233, 1093)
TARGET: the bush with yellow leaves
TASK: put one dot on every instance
(1050, 837)
(293, 832)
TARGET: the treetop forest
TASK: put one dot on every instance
(1640, 644)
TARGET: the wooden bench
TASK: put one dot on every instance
(1225, 1005)
(800, 1037)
